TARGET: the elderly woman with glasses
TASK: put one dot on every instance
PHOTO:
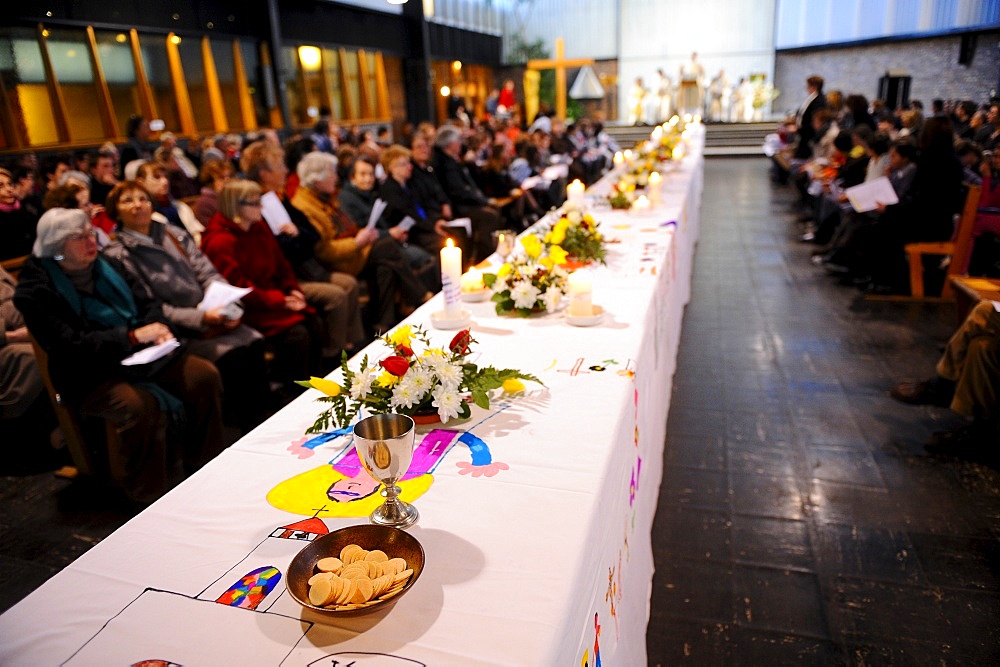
(243, 249)
(166, 260)
(89, 315)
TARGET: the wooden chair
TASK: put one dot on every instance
(87, 446)
(957, 248)
(13, 265)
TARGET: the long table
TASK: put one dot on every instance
(537, 539)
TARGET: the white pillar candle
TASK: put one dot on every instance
(451, 280)
(640, 204)
(619, 161)
(653, 187)
(627, 154)
(678, 152)
(574, 193)
(580, 294)
(657, 133)
(472, 280)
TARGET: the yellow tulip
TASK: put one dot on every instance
(328, 387)
(557, 254)
(532, 245)
(503, 270)
(401, 336)
(558, 233)
(513, 386)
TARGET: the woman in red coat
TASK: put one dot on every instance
(243, 249)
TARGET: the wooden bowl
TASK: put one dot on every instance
(394, 542)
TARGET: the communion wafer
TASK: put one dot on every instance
(359, 578)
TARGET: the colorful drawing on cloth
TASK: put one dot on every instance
(342, 488)
(361, 659)
(578, 367)
(252, 588)
(585, 661)
(155, 663)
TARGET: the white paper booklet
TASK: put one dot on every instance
(464, 223)
(377, 209)
(867, 196)
(220, 295)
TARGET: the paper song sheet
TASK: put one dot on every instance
(220, 295)
(151, 354)
(867, 196)
(464, 223)
(377, 209)
(274, 212)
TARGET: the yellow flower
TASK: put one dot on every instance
(558, 233)
(401, 336)
(557, 254)
(328, 387)
(513, 386)
(532, 245)
(504, 270)
(387, 379)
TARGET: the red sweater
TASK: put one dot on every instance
(253, 258)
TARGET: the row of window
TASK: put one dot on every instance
(71, 86)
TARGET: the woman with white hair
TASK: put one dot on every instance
(88, 315)
(347, 247)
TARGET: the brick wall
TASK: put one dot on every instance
(932, 62)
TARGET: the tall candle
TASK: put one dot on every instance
(574, 193)
(451, 280)
(627, 154)
(657, 133)
(640, 204)
(580, 294)
(619, 161)
(654, 184)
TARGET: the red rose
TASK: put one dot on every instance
(460, 343)
(395, 365)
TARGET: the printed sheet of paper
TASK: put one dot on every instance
(274, 212)
(377, 209)
(406, 224)
(220, 295)
(867, 196)
(464, 223)
(151, 354)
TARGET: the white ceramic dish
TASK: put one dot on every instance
(586, 320)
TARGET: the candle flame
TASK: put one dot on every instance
(450, 243)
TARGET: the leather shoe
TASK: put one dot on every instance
(924, 392)
(975, 436)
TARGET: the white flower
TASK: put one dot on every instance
(447, 401)
(524, 294)
(500, 284)
(450, 375)
(405, 395)
(552, 297)
(574, 216)
(420, 377)
(361, 384)
(559, 272)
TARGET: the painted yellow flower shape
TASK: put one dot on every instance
(513, 386)
(328, 387)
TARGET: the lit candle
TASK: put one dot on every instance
(640, 204)
(451, 280)
(687, 118)
(657, 133)
(472, 280)
(627, 154)
(574, 193)
(678, 152)
(619, 161)
(674, 120)
(580, 294)
(653, 187)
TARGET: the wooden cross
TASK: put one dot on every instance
(559, 64)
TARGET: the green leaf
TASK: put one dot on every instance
(481, 398)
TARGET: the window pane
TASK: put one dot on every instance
(332, 62)
(222, 53)
(24, 80)
(154, 58)
(353, 84)
(288, 63)
(70, 55)
(115, 54)
(251, 63)
(194, 76)
(372, 82)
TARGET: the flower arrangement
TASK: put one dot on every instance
(622, 192)
(576, 232)
(529, 283)
(412, 383)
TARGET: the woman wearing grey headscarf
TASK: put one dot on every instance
(88, 315)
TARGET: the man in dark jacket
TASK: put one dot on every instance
(804, 119)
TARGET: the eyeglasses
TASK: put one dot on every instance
(83, 236)
(250, 202)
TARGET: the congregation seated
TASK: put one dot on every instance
(333, 294)
(243, 249)
(429, 194)
(213, 175)
(153, 178)
(17, 224)
(467, 200)
(167, 262)
(89, 315)
(355, 249)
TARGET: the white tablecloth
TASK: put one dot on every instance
(547, 561)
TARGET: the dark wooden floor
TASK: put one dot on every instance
(800, 520)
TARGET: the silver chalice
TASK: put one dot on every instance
(385, 446)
